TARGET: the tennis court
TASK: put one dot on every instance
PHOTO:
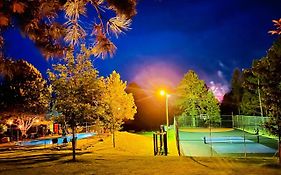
(224, 142)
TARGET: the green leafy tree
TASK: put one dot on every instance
(193, 98)
(119, 104)
(268, 71)
(76, 91)
(251, 103)
(24, 96)
(104, 25)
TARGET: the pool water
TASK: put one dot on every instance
(60, 139)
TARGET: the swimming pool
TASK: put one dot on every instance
(60, 139)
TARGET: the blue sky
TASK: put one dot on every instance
(169, 37)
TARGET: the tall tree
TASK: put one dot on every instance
(76, 91)
(231, 101)
(268, 71)
(251, 103)
(112, 17)
(193, 98)
(24, 95)
(274, 125)
(236, 89)
(119, 104)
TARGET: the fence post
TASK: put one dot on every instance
(155, 144)
(177, 135)
(165, 143)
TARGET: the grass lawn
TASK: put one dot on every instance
(133, 155)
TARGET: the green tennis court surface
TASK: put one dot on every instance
(226, 142)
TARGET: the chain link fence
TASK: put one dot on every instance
(242, 136)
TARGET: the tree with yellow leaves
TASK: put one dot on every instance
(119, 104)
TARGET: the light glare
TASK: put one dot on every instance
(162, 92)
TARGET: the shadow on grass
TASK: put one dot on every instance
(273, 165)
(192, 158)
(75, 161)
(35, 159)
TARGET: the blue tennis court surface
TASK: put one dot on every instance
(241, 148)
(228, 143)
(224, 145)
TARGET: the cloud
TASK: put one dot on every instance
(218, 84)
(222, 65)
(220, 74)
(218, 89)
(153, 76)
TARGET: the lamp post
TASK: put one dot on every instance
(164, 93)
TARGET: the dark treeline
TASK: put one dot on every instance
(150, 110)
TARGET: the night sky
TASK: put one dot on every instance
(169, 37)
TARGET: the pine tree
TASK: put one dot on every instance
(40, 22)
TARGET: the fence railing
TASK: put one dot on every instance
(242, 136)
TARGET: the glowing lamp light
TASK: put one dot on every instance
(37, 120)
(162, 93)
(10, 122)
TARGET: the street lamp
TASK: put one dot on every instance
(164, 93)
